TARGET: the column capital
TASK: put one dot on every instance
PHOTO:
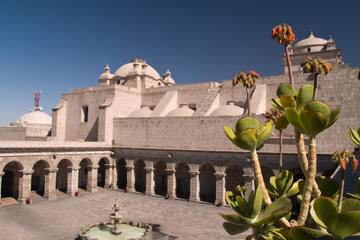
(170, 170)
(26, 172)
(2, 174)
(50, 170)
(129, 168)
(219, 175)
(194, 173)
(149, 169)
(72, 168)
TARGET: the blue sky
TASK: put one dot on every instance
(55, 46)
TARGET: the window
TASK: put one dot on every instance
(84, 113)
(118, 81)
(309, 49)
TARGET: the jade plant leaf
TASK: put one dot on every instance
(350, 204)
(257, 204)
(324, 210)
(287, 101)
(286, 89)
(302, 233)
(229, 133)
(328, 187)
(346, 224)
(355, 136)
(246, 139)
(305, 95)
(281, 123)
(264, 135)
(277, 104)
(249, 122)
(234, 229)
(235, 218)
(278, 209)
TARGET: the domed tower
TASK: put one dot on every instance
(312, 47)
(105, 77)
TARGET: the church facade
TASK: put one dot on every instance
(140, 132)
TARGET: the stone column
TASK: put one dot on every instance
(220, 188)
(114, 177)
(108, 175)
(92, 179)
(130, 178)
(194, 186)
(73, 179)
(24, 185)
(149, 178)
(1, 174)
(50, 183)
(171, 183)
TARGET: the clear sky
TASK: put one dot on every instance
(55, 46)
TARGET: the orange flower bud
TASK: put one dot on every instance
(342, 162)
(279, 30)
(354, 164)
(234, 81)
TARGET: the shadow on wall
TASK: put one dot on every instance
(93, 134)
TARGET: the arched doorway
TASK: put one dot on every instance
(140, 176)
(38, 177)
(182, 180)
(84, 166)
(121, 174)
(10, 180)
(160, 178)
(62, 175)
(207, 183)
(234, 177)
(102, 172)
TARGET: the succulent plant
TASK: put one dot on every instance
(339, 224)
(316, 65)
(355, 136)
(282, 185)
(283, 33)
(328, 187)
(250, 134)
(248, 215)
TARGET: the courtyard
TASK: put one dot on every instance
(63, 218)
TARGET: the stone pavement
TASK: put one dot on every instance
(63, 218)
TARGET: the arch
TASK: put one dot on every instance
(182, 176)
(84, 166)
(10, 179)
(160, 177)
(234, 177)
(267, 173)
(38, 177)
(121, 173)
(62, 175)
(102, 171)
(140, 176)
(207, 183)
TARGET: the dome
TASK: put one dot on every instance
(183, 111)
(168, 79)
(106, 74)
(143, 112)
(311, 41)
(35, 117)
(138, 66)
(228, 110)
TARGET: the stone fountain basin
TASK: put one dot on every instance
(129, 231)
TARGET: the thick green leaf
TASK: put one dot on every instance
(313, 122)
(249, 123)
(305, 95)
(350, 195)
(324, 211)
(246, 139)
(229, 133)
(355, 137)
(293, 117)
(258, 203)
(294, 189)
(235, 218)
(281, 123)
(304, 233)
(317, 106)
(234, 229)
(286, 89)
(346, 223)
(283, 182)
(350, 204)
(328, 187)
(264, 135)
(288, 101)
(334, 115)
(276, 104)
(278, 209)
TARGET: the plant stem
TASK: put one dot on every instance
(288, 61)
(341, 193)
(248, 100)
(315, 85)
(280, 152)
(260, 181)
(310, 179)
(300, 145)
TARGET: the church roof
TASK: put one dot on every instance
(228, 110)
(35, 117)
(138, 66)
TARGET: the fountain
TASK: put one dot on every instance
(116, 229)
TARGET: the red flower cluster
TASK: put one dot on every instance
(248, 79)
(316, 65)
(283, 34)
(343, 158)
